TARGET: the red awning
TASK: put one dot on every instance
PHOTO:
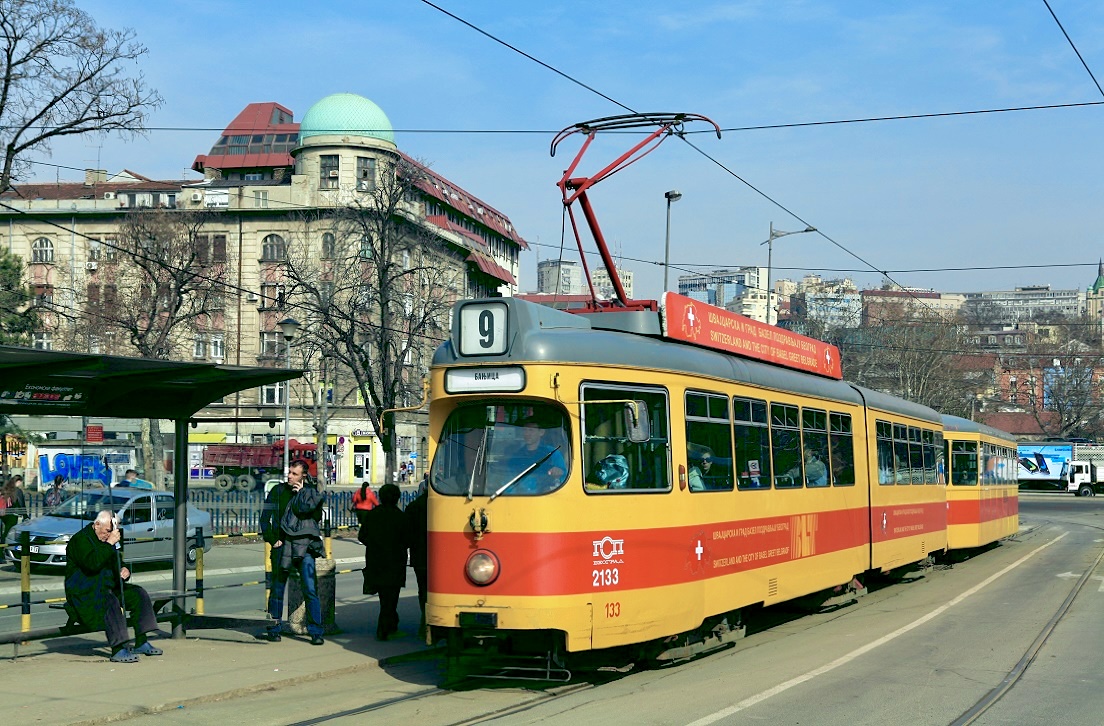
(490, 267)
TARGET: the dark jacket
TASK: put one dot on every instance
(91, 572)
(417, 526)
(384, 539)
(294, 517)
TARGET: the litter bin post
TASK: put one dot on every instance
(325, 572)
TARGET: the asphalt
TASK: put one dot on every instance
(70, 680)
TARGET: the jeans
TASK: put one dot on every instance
(309, 584)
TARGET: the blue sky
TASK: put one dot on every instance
(1017, 189)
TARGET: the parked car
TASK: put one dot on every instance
(145, 517)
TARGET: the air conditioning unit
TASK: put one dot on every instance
(197, 196)
(109, 195)
(333, 173)
(362, 186)
(90, 266)
(251, 297)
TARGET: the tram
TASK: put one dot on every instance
(983, 494)
(637, 474)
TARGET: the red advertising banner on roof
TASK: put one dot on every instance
(712, 327)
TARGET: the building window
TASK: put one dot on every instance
(199, 347)
(218, 347)
(273, 394)
(270, 343)
(254, 176)
(44, 341)
(329, 246)
(44, 294)
(365, 174)
(272, 296)
(42, 250)
(329, 171)
(366, 247)
(218, 248)
(273, 249)
(260, 198)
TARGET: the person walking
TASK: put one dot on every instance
(95, 590)
(417, 538)
(56, 492)
(290, 523)
(364, 500)
(384, 539)
(13, 506)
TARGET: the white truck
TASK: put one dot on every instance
(1072, 467)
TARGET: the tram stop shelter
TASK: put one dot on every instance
(46, 382)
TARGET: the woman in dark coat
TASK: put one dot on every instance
(384, 539)
(417, 525)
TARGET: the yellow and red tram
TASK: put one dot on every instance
(983, 494)
(596, 484)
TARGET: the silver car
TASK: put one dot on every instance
(145, 517)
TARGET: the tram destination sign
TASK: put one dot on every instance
(696, 322)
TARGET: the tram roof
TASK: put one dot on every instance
(543, 334)
(47, 382)
(965, 425)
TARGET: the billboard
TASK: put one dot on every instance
(1044, 462)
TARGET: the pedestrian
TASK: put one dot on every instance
(56, 493)
(402, 472)
(95, 591)
(13, 506)
(384, 539)
(417, 538)
(290, 523)
(364, 499)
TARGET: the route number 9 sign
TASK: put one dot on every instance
(483, 328)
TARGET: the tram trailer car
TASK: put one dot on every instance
(983, 493)
(571, 509)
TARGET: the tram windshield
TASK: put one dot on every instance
(506, 449)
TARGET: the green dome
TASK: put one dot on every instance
(345, 114)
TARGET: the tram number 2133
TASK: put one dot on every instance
(605, 577)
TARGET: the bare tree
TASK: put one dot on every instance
(1060, 381)
(916, 354)
(62, 75)
(165, 284)
(375, 284)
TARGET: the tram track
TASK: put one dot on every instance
(1013, 676)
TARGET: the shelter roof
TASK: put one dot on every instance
(47, 382)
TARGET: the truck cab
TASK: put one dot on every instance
(1082, 478)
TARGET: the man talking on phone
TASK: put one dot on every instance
(290, 523)
(95, 590)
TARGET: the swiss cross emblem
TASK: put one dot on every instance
(828, 358)
(691, 323)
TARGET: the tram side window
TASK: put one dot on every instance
(786, 444)
(940, 459)
(916, 455)
(928, 438)
(753, 461)
(843, 450)
(988, 464)
(614, 463)
(814, 431)
(901, 454)
(708, 442)
(964, 463)
(885, 452)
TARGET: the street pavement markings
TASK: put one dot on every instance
(843, 660)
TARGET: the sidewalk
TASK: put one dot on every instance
(71, 680)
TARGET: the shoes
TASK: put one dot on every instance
(147, 648)
(317, 640)
(271, 636)
(124, 656)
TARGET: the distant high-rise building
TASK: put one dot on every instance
(737, 290)
(563, 277)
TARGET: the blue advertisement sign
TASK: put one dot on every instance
(1044, 461)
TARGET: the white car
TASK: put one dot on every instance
(145, 517)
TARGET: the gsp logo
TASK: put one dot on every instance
(606, 549)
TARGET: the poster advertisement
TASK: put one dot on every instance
(1044, 462)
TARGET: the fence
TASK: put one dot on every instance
(237, 512)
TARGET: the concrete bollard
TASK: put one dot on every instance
(325, 572)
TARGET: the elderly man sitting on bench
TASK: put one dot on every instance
(96, 594)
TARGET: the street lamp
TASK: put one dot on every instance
(775, 234)
(672, 196)
(287, 326)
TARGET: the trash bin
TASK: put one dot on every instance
(325, 572)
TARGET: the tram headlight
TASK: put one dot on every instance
(482, 567)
